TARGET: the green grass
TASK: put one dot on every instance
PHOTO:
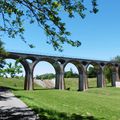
(92, 82)
(71, 83)
(93, 104)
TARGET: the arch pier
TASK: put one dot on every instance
(29, 62)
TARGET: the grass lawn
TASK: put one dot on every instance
(72, 83)
(93, 104)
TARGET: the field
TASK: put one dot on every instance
(93, 104)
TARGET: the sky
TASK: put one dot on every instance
(99, 34)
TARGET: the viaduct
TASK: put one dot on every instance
(59, 64)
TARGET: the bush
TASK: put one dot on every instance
(46, 76)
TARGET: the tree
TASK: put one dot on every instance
(2, 62)
(91, 72)
(46, 13)
(108, 69)
(116, 59)
(48, 76)
(70, 74)
(2, 50)
(13, 70)
(108, 73)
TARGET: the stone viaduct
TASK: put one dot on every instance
(59, 64)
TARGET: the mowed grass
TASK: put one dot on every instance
(73, 83)
(93, 104)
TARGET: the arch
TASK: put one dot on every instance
(74, 83)
(30, 59)
(10, 61)
(54, 63)
(77, 63)
(25, 65)
(95, 64)
(109, 64)
(119, 72)
(18, 58)
(93, 69)
(55, 66)
(109, 70)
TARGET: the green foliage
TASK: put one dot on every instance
(11, 70)
(2, 62)
(2, 49)
(91, 72)
(48, 76)
(108, 69)
(108, 74)
(1, 46)
(44, 12)
(70, 74)
(116, 59)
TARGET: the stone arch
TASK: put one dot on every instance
(109, 70)
(54, 64)
(77, 63)
(95, 64)
(23, 63)
(81, 73)
(29, 59)
(118, 72)
(28, 76)
(96, 69)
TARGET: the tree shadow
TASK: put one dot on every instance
(45, 114)
(13, 113)
(17, 114)
(93, 87)
(5, 89)
(26, 97)
(50, 114)
(2, 98)
(44, 88)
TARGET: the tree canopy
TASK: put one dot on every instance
(46, 13)
(91, 72)
(116, 59)
(10, 69)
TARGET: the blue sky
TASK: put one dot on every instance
(99, 35)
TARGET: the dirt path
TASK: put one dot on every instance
(12, 108)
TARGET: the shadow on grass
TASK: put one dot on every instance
(45, 114)
(90, 87)
(44, 89)
(3, 88)
(17, 114)
(49, 114)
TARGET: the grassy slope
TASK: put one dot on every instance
(95, 103)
